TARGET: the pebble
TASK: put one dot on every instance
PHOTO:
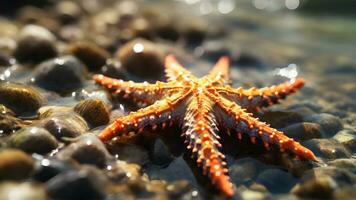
(193, 31)
(15, 165)
(67, 12)
(304, 131)
(87, 149)
(35, 44)
(280, 119)
(141, 28)
(47, 168)
(114, 69)
(94, 111)
(21, 99)
(4, 59)
(330, 123)
(65, 125)
(130, 153)
(121, 172)
(244, 171)
(85, 184)
(160, 154)
(9, 124)
(93, 56)
(276, 180)
(347, 138)
(245, 59)
(22, 191)
(342, 176)
(61, 75)
(178, 169)
(349, 163)
(142, 58)
(327, 148)
(321, 188)
(33, 140)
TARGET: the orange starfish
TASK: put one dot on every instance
(200, 106)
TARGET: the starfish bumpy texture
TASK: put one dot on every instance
(202, 106)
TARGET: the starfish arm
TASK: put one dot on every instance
(243, 122)
(219, 75)
(175, 71)
(254, 99)
(153, 115)
(200, 134)
(139, 92)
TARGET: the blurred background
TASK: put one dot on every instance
(49, 50)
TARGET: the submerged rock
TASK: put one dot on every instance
(87, 149)
(61, 75)
(21, 99)
(276, 180)
(327, 148)
(347, 138)
(33, 140)
(304, 131)
(160, 154)
(142, 58)
(22, 191)
(35, 44)
(15, 165)
(94, 111)
(321, 188)
(330, 123)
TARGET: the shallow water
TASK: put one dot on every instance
(265, 47)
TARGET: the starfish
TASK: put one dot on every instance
(201, 106)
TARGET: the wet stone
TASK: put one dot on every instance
(327, 148)
(84, 184)
(330, 124)
(15, 165)
(33, 140)
(93, 56)
(22, 191)
(327, 177)
(130, 153)
(160, 154)
(244, 171)
(280, 119)
(349, 163)
(9, 124)
(87, 149)
(177, 170)
(245, 59)
(142, 58)
(347, 138)
(4, 59)
(65, 125)
(35, 44)
(67, 12)
(121, 171)
(321, 188)
(276, 180)
(61, 75)
(45, 169)
(304, 131)
(21, 99)
(193, 31)
(114, 69)
(94, 111)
